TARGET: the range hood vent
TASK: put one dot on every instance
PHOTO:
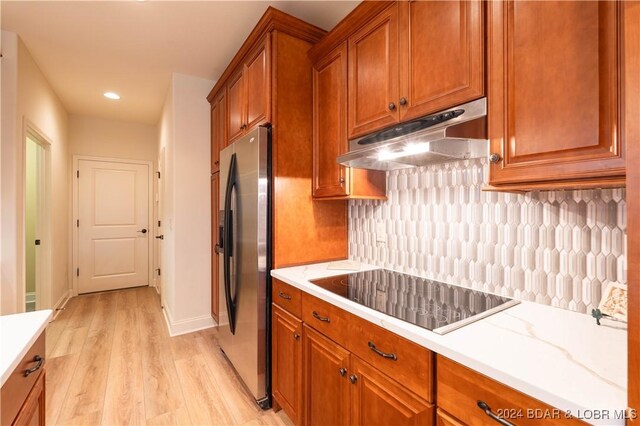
(454, 134)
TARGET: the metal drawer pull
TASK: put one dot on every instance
(390, 356)
(39, 361)
(487, 410)
(353, 379)
(343, 371)
(285, 296)
(296, 336)
(318, 317)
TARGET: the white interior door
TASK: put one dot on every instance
(113, 232)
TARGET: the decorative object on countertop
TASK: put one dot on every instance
(559, 248)
(613, 305)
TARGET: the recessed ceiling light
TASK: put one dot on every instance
(111, 95)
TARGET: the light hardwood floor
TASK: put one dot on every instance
(111, 362)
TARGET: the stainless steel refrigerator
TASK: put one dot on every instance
(245, 260)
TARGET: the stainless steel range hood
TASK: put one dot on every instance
(454, 134)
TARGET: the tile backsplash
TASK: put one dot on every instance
(560, 248)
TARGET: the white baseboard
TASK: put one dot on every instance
(188, 325)
(61, 303)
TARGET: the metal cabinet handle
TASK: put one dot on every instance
(39, 361)
(494, 158)
(342, 180)
(403, 101)
(285, 296)
(160, 237)
(487, 410)
(343, 371)
(353, 379)
(296, 336)
(318, 317)
(385, 355)
(392, 106)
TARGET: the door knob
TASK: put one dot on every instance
(494, 158)
(160, 237)
(143, 231)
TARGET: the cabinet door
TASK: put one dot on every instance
(326, 387)
(554, 91)
(222, 119)
(287, 362)
(441, 55)
(33, 411)
(378, 400)
(215, 141)
(444, 419)
(215, 265)
(373, 74)
(330, 124)
(257, 75)
(235, 107)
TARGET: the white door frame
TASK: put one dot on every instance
(76, 196)
(44, 269)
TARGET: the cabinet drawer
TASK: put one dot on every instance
(287, 297)
(330, 320)
(460, 389)
(17, 387)
(404, 361)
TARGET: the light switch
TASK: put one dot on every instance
(381, 234)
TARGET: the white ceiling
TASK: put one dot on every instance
(86, 48)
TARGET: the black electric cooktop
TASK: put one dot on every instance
(429, 304)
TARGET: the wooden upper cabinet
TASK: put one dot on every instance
(215, 142)
(554, 101)
(235, 106)
(330, 124)
(441, 55)
(218, 129)
(373, 74)
(258, 85)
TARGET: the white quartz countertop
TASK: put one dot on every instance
(17, 334)
(557, 356)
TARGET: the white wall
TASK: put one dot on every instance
(34, 102)
(184, 133)
(100, 137)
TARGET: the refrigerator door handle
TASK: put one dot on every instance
(228, 244)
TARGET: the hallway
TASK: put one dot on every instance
(110, 361)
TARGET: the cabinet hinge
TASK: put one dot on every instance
(78, 223)
(158, 175)
(159, 224)
(77, 173)
(77, 272)
(158, 270)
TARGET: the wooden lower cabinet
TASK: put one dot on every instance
(326, 384)
(33, 412)
(445, 419)
(378, 400)
(286, 336)
(341, 389)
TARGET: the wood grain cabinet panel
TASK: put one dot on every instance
(555, 93)
(287, 363)
(33, 412)
(286, 297)
(441, 55)
(258, 85)
(378, 400)
(373, 74)
(326, 385)
(330, 179)
(215, 142)
(235, 106)
(215, 239)
(460, 389)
